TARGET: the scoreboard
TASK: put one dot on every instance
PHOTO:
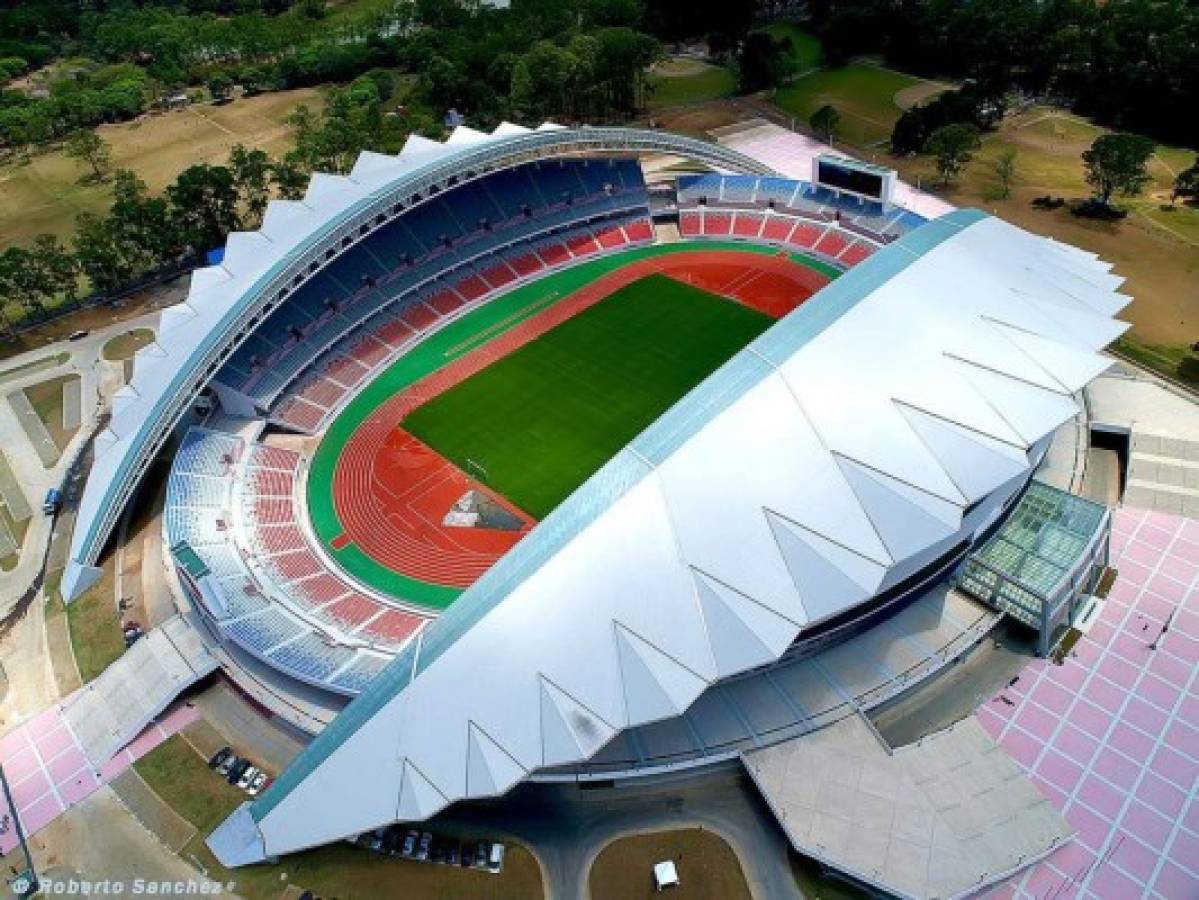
(851, 176)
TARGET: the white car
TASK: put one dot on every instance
(261, 780)
(249, 775)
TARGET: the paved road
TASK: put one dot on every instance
(99, 380)
(566, 827)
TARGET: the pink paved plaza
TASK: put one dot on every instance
(1111, 736)
(48, 772)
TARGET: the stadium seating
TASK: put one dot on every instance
(472, 228)
(272, 594)
(307, 404)
(814, 221)
(800, 199)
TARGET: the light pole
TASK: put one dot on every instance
(25, 884)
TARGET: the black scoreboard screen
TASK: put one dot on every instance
(844, 176)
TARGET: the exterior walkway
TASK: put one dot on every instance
(49, 773)
(937, 818)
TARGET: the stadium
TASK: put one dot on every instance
(516, 457)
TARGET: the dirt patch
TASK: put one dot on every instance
(698, 121)
(124, 346)
(679, 67)
(708, 868)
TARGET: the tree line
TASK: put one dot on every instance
(565, 58)
(1130, 64)
(145, 232)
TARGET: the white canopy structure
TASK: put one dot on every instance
(889, 418)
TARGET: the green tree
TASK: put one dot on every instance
(1186, 184)
(824, 122)
(252, 179)
(289, 179)
(541, 80)
(764, 61)
(220, 86)
(135, 237)
(952, 147)
(1004, 167)
(84, 145)
(11, 67)
(36, 275)
(1117, 164)
(204, 206)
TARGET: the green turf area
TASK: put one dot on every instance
(541, 420)
(699, 86)
(863, 95)
(455, 340)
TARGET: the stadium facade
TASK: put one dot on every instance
(844, 462)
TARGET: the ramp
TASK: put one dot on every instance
(944, 817)
(108, 712)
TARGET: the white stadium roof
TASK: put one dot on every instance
(815, 469)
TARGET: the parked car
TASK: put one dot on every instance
(77, 335)
(247, 776)
(225, 766)
(408, 850)
(495, 861)
(422, 851)
(53, 501)
(259, 784)
(219, 757)
(239, 769)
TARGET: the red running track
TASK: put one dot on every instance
(391, 491)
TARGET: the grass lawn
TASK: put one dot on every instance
(864, 95)
(44, 195)
(544, 418)
(675, 85)
(1176, 361)
(46, 398)
(123, 346)
(707, 866)
(180, 776)
(95, 627)
(36, 365)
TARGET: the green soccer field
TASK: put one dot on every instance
(543, 419)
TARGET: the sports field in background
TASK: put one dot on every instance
(540, 421)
